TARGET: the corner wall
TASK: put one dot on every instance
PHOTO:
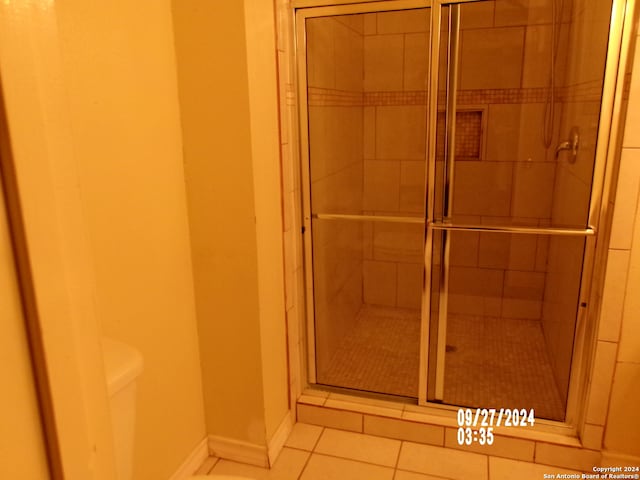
(226, 63)
(618, 351)
(119, 70)
(209, 40)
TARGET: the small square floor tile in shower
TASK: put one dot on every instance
(491, 362)
(500, 363)
(380, 354)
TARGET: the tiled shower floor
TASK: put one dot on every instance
(492, 362)
(381, 354)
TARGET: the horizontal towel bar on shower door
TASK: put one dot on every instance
(507, 229)
(368, 218)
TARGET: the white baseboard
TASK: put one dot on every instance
(238, 451)
(193, 461)
(619, 459)
(277, 441)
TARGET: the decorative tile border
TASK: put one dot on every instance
(585, 92)
(499, 95)
(469, 130)
(325, 97)
(417, 97)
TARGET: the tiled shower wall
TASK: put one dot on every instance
(583, 81)
(353, 113)
(508, 179)
(616, 372)
(292, 203)
(486, 269)
(395, 69)
(504, 74)
(334, 60)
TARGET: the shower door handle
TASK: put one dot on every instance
(572, 145)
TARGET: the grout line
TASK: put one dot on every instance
(523, 57)
(427, 474)
(341, 170)
(217, 459)
(493, 23)
(398, 458)
(304, 467)
(298, 449)
(375, 132)
(575, 447)
(615, 342)
(488, 468)
(404, 59)
(344, 25)
(315, 445)
(388, 34)
(330, 455)
(610, 383)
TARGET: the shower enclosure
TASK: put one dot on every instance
(450, 189)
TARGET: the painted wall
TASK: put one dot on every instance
(228, 100)
(119, 70)
(216, 167)
(41, 171)
(260, 37)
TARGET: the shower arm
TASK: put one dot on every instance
(572, 145)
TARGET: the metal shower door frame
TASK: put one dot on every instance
(621, 28)
(313, 9)
(609, 128)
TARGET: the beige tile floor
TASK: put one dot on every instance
(318, 453)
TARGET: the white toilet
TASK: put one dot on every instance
(122, 366)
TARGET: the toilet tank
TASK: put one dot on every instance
(122, 365)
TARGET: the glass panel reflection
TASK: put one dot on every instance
(367, 283)
(512, 303)
(367, 100)
(528, 77)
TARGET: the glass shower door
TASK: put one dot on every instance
(449, 164)
(511, 189)
(366, 103)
